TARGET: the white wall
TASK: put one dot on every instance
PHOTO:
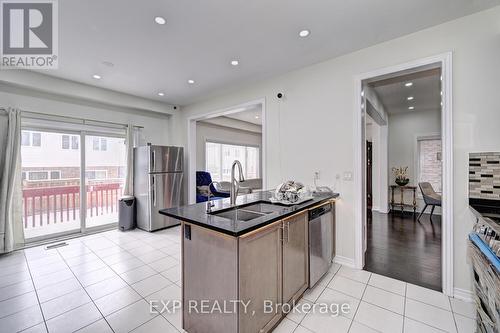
(404, 129)
(317, 115)
(208, 132)
(156, 126)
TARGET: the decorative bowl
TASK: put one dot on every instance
(402, 182)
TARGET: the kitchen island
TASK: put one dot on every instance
(242, 263)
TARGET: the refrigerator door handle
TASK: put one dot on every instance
(153, 160)
(153, 192)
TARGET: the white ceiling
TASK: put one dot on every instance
(202, 37)
(426, 92)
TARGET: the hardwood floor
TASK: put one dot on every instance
(403, 248)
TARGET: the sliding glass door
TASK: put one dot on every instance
(51, 169)
(105, 163)
(71, 181)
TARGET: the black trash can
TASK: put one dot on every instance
(126, 213)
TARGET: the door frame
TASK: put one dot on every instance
(191, 143)
(445, 61)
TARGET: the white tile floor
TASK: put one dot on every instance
(103, 282)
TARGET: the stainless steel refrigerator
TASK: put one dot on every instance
(158, 176)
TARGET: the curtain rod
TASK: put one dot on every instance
(83, 120)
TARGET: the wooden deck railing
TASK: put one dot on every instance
(49, 203)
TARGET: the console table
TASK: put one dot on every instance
(402, 203)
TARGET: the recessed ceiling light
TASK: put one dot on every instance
(411, 107)
(304, 33)
(160, 20)
(256, 117)
(191, 81)
(161, 94)
(108, 64)
(362, 93)
(235, 62)
(410, 98)
(408, 84)
(97, 77)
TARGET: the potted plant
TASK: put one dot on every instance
(401, 175)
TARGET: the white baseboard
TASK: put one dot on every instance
(464, 295)
(344, 261)
(375, 208)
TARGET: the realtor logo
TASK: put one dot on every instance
(29, 34)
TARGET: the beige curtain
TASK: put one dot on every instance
(11, 227)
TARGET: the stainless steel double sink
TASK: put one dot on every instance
(248, 212)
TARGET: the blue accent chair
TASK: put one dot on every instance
(203, 178)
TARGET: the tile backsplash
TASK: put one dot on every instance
(484, 175)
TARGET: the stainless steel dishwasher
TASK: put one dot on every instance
(321, 242)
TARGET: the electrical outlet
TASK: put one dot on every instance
(348, 176)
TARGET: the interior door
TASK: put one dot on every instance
(295, 257)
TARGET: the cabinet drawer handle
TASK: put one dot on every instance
(282, 236)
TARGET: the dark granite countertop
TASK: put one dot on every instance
(197, 214)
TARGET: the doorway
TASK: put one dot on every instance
(390, 227)
(217, 138)
(71, 181)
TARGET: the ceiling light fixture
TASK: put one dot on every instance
(97, 77)
(256, 117)
(411, 107)
(161, 94)
(235, 62)
(108, 64)
(160, 20)
(190, 81)
(410, 98)
(304, 33)
(408, 84)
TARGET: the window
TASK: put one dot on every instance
(96, 174)
(100, 144)
(25, 138)
(41, 175)
(104, 144)
(95, 143)
(65, 141)
(219, 157)
(36, 139)
(53, 182)
(429, 162)
(74, 142)
(68, 141)
(55, 175)
(38, 175)
(31, 139)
